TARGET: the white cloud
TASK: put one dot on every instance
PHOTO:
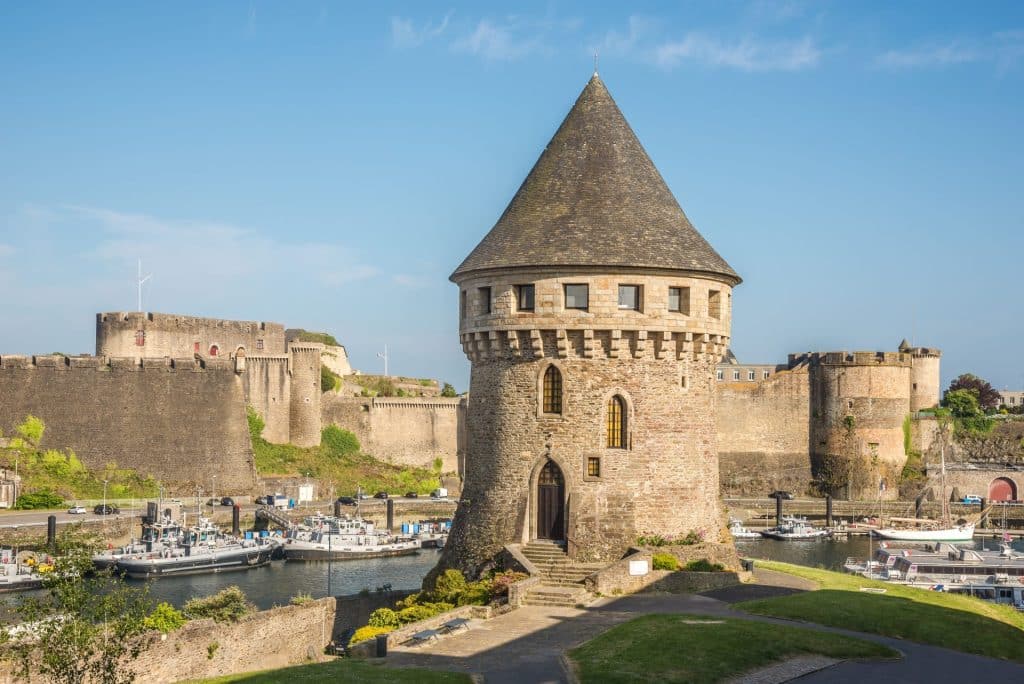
(499, 42)
(748, 54)
(1004, 49)
(405, 34)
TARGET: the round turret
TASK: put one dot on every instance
(593, 314)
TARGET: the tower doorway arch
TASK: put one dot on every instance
(1002, 489)
(551, 503)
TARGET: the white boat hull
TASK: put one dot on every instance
(963, 533)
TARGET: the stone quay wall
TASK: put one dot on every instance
(180, 420)
(176, 336)
(409, 431)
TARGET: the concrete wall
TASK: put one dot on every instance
(764, 434)
(401, 430)
(177, 420)
(117, 334)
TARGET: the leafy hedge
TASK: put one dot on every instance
(227, 605)
(664, 561)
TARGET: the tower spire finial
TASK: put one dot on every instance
(596, 54)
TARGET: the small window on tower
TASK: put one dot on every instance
(593, 466)
(140, 338)
(679, 300)
(629, 297)
(259, 344)
(577, 297)
(524, 297)
(485, 299)
(214, 350)
(715, 304)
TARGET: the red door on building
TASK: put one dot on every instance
(1002, 489)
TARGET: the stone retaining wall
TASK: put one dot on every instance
(616, 579)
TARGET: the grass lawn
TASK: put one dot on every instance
(954, 621)
(688, 648)
(344, 670)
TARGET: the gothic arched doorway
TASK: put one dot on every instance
(1002, 489)
(551, 503)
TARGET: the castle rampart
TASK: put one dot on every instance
(139, 334)
(409, 431)
(304, 397)
(180, 420)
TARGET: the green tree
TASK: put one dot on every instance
(84, 628)
(448, 391)
(962, 403)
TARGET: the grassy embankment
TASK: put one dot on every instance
(953, 621)
(342, 671)
(338, 461)
(689, 648)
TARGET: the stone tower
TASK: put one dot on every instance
(593, 314)
(925, 383)
(304, 407)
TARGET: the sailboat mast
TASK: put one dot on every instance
(942, 479)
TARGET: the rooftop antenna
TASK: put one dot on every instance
(140, 282)
(384, 355)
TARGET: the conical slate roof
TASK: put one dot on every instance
(594, 198)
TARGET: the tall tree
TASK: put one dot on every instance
(988, 398)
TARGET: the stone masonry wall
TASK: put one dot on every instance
(764, 434)
(178, 420)
(304, 414)
(268, 391)
(176, 336)
(401, 430)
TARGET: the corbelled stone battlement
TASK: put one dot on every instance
(117, 363)
(588, 343)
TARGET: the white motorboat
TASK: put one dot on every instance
(738, 531)
(959, 533)
(795, 529)
(330, 538)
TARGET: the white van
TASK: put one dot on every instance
(440, 493)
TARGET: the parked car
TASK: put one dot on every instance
(412, 495)
(972, 499)
(780, 494)
(106, 509)
(346, 501)
(264, 499)
(212, 502)
(380, 495)
(227, 501)
(76, 510)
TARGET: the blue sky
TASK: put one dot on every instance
(327, 165)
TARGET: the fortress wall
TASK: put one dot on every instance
(177, 420)
(336, 360)
(304, 422)
(405, 431)
(176, 336)
(764, 434)
(268, 390)
(925, 387)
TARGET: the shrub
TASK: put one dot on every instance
(422, 612)
(329, 380)
(165, 618)
(301, 599)
(448, 391)
(449, 585)
(692, 537)
(704, 565)
(503, 580)
(652, 540)
(664, 561)
(338, 442)
(368, 632)
(40, 499)
(476, 594)
(384, 617)
(410, 600)
(227, 605)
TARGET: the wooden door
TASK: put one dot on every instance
(551, 503)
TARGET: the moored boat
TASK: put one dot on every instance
(738, 531)
(958, 533)
(21, 571)
(330, 538)
(795, 529)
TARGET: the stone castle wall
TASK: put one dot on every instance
(409, 431)
(171, 335)
(268, 390)
(925, 388)
(304, 399)
(763, 434)
(181, 421)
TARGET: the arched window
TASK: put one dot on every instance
(552, 390)
(616, 423)
(214, 350)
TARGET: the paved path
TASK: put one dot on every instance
(527, 645)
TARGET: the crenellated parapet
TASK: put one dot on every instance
(116, 363)
(845, 358)
(150, 334)
(561, 343)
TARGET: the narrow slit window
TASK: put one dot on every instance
(616, 423)
(715, 304)
(552, 390)
(485, 299)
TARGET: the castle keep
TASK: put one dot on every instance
(593, 314)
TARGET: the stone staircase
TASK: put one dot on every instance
(561, 579)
